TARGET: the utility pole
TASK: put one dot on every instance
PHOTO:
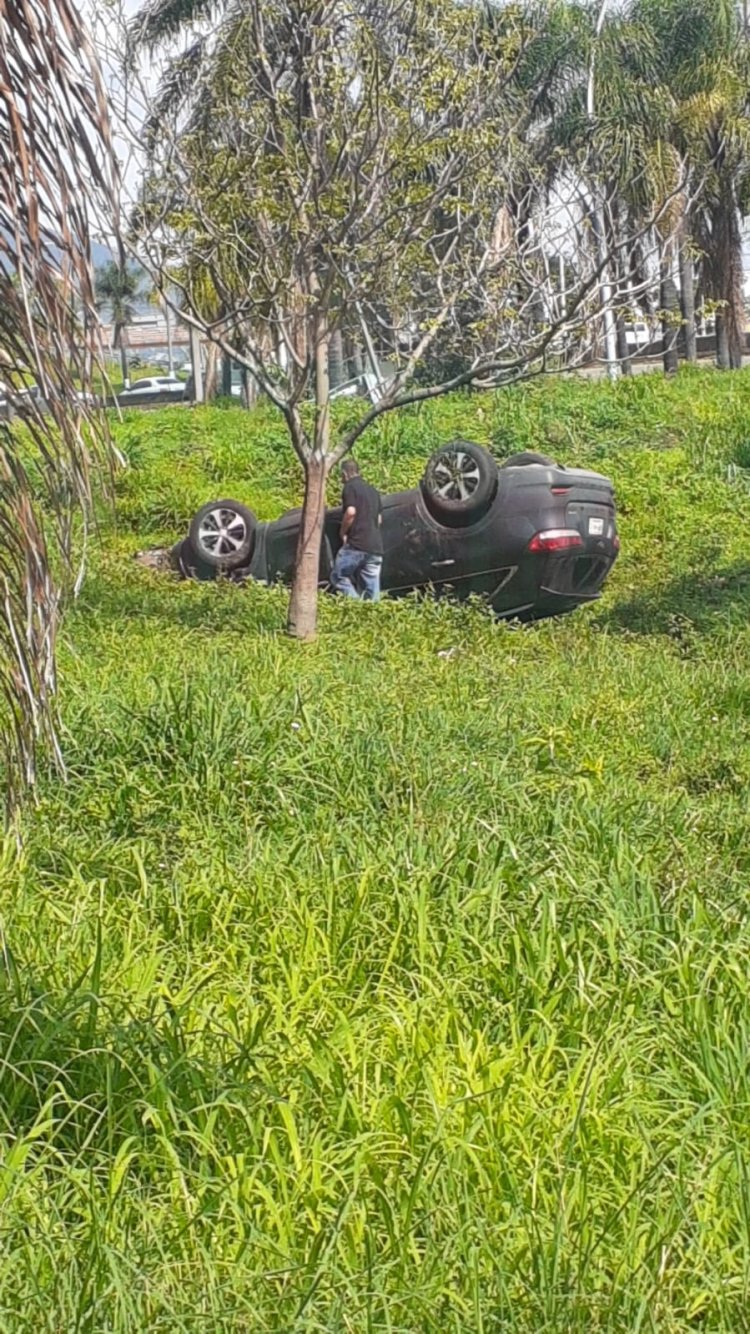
(614, 368)
(372, 355)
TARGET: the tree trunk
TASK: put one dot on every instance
(195, 358)
(689, 339)
(610, 331)
(336, 359)
(727, 258)
(170, 349)
(249, 389)
(605, 293)
(303, 604)
(354, 364)
(623, 351)
(226, 376)
(212, 367)
(302, 620)
(735, 295)
(723, 360)
(670, 309)
(621, 263)
(124, 368)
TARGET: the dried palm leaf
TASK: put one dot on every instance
(55, 159)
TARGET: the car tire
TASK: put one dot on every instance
(188, 564)
(459, 483)
(222, 534)
(527, 457)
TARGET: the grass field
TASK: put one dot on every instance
(399, 982)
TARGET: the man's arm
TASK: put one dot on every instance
(350, 513)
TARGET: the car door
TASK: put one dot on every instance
(419, 552)
(281, 538)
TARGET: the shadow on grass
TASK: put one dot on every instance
(695, 602)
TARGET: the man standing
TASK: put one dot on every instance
(356, 570)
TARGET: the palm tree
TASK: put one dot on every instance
(605, 133)
(670, 140)
(118, 287)
(718, 220)
(53, 125)
(702, 55)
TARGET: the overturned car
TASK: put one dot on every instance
(533, 538)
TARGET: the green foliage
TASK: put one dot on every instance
(399, 981)
(339, 165)
(118, 287)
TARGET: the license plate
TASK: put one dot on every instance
(596, 527)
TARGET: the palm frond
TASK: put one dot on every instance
(160, 20)
(178, 86)
(54, 153)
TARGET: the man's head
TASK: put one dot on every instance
(349, 469)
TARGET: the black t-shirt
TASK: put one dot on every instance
(365, 533)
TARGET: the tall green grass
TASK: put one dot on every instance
(399, 982)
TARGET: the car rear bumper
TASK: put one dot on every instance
(578, 575)
(557, 593)
(552, 583)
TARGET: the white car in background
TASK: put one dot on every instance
(153, 386)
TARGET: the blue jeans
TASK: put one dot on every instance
(356, 574)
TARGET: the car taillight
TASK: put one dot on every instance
(556, 539)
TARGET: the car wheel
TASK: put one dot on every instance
(222, 534)
(526, 457)
(186, 561)
(459, 483)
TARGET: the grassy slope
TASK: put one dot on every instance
(374, 986)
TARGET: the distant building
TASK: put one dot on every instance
(147, 333)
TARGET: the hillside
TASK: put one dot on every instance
(397, 982)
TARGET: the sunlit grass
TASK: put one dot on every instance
(400, 981)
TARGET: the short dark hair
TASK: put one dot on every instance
(349, 468)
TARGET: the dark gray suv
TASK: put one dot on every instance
(532, 537)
